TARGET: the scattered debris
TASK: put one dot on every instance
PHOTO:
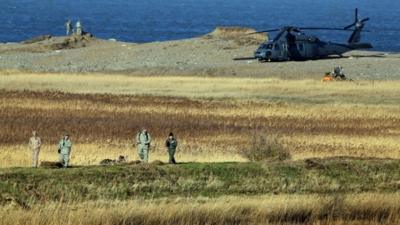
(336, 75)
(157, 163)
(120, 160)
(48, 164)
(74, 41)
(314, 164)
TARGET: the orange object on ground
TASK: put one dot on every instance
(327, 77)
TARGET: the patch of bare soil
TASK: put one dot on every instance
(47, 43)
(240, 35)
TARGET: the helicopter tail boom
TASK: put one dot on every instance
(361, 46)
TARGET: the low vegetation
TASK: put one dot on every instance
(266, 148)
(354, 209)
(27, 186)
(315, 192)
(252, 151)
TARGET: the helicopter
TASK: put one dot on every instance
(291, 43)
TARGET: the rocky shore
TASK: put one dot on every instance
(210, 55)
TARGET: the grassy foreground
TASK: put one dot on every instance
(353, 209)
(27, 186)
(312, 192)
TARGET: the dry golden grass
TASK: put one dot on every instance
(360, 209)
(301, 91)
(92, 154)
(214, 118)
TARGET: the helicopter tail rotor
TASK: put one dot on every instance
(358, 25)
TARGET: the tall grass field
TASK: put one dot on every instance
(342, 140)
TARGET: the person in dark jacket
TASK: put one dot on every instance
(171, 143)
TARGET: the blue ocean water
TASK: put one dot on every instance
(159, 20)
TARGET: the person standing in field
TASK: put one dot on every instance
(68, 27)
(64, 150)
(171, 143)
(34, 144)
(79, 29)
(143, 140)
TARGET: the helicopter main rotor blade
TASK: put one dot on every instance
(321, 28)
(264, 31)
(339, 29)
(244, 58)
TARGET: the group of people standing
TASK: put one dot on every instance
(64, 149)
(143, 141)
(70, 29)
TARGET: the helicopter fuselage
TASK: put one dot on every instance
(299, 47)
(292, 44)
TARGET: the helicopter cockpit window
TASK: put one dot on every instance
(266, 46)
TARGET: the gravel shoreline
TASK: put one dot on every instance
(211, 55)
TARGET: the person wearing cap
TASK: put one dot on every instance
(64, 150)
(171, 143)
(34, 144)
(143, 140)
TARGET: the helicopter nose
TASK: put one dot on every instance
(267, 55)
(262, 54)
(259, 54)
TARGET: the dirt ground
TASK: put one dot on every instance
(210, 55)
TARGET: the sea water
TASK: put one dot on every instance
(161, 20)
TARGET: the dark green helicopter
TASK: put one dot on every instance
(292, 44)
